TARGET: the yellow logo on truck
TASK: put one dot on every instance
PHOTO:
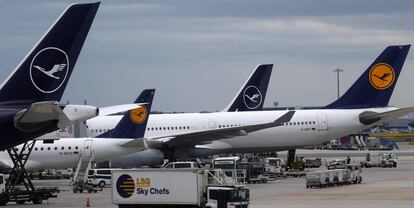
(381, 76)
(125, 186)
(138, 115)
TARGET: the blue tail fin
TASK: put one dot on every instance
(375, 86)
(43, 74)
(253, 93)
(134, 122)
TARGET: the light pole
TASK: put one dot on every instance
(337, 70)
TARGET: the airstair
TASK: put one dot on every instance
(86, 161)
(220, 177)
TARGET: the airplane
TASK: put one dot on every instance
(29, 96)
(258, 80)
(125, 138)
(362, 106)
(65, 153)
(250, 97)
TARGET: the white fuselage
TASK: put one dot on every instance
(65, 153)
(307, 127)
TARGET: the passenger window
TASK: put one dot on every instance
(55, 148)
(76, 147)
(62, 148)
(35, 148)
(69, 147)
(48, 148)
(41, 149)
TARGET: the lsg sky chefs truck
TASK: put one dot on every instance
(177, 188)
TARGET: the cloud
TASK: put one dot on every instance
(198, 54)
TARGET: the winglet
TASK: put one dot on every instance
(252, 95)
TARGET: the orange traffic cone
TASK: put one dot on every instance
(88, 205)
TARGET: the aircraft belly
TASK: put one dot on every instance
(277, 138)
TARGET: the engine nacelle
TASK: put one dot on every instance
(79, 113)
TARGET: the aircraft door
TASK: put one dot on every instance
(87, 148)
(212, 124)
(322, 122)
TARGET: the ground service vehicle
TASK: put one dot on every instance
(336, 164)
(350, 175)
(176, 188)
(313, 163)
(380, 160)
(274, 167)
(21, 196)
(230, 167)
(99, 177)
(251, 172)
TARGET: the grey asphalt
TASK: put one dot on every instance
(382, 187)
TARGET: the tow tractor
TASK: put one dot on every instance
(11, 190)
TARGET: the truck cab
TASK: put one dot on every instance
(227, 197)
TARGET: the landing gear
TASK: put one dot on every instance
(18, 175)
(291, 156)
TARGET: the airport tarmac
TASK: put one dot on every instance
(382, 187)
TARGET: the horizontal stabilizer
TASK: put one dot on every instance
(106, 111)
(369, 117)
(134, 122)
(51, 113)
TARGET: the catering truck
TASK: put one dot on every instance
(177, 188)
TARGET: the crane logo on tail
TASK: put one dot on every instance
(252, 97)
(49, 69)
(138, 115)
(382, 76)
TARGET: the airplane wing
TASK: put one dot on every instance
(52, 113)
(206, 136)
(368, 117)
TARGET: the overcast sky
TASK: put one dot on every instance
(197, 54)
